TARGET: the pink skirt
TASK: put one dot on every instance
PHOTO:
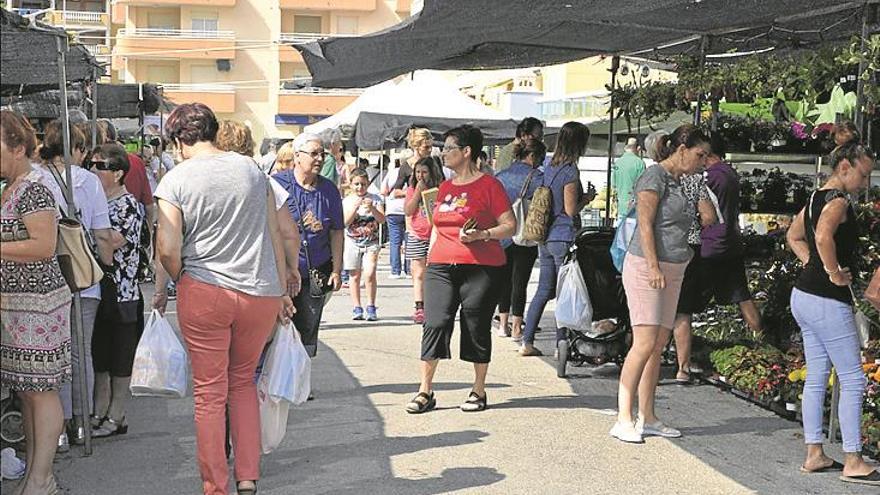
(649, 306)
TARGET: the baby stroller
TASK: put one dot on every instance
(609, 339)
(11, 423)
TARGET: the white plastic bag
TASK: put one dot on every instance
(160, 361)
(288, 368)
(573, 308)
(273, 417)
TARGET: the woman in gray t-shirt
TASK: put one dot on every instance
(219, 238)
(652, 274)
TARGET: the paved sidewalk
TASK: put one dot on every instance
(541, 434)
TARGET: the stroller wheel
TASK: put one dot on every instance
(12, 427)
(562, 358)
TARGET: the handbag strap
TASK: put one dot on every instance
(525, 187)
(63, 185)
(300, 225)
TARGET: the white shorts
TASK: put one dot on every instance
(353, 255)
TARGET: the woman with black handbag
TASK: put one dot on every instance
(117, 327)
(316, 207)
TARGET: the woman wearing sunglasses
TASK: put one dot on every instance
(117, 327)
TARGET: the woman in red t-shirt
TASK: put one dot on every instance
(426, 175)
(471, 214)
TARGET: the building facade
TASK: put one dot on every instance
(233, 55)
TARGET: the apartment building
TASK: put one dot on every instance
(233, 55)
(87, 20)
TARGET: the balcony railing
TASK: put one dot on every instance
(199, 88)
(79, 17)
(302, 38)
(175, 33)
(98, 50)
(321, 91)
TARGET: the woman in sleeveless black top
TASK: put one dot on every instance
(824, 237)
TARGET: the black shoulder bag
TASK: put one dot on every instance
(319, 276)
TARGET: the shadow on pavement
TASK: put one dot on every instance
(560, 402)
(337, 443)
(413, 388)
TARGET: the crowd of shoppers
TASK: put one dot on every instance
(304, 214)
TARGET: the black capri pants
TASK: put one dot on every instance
(464, 288)
(118, 329)
(514, 280)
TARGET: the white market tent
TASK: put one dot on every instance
(423, 101)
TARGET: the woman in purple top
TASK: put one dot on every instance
(316, 207)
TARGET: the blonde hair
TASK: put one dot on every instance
(418, 136)
(284, 157)
(235, 136)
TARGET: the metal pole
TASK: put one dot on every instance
(860, 85)
(704, 44)
(615, 66)
(76, 325)
(94, 123)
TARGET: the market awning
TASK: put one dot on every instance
(29, 56)
(114, 101)
(492, 34)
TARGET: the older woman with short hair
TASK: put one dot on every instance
(316, 209)
(235, 136)
(229, 268)
(465, 261)
(35, 303)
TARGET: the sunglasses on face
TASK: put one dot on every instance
(100, 165)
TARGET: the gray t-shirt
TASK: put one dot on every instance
(226, 240)
(673, 219)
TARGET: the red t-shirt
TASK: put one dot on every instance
(136, 180)
(484, 200)
(419, 226)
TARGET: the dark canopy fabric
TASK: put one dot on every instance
(29, 56)
(374, 131)
(114, 101)
(493, 34)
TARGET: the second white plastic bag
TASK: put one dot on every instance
(285, 380)
(573, 308)
(160, 361)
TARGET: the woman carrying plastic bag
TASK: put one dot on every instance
(573, 308)
(160, 361)
(285, 380)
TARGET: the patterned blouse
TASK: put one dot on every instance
(694, 188)
(127, 218)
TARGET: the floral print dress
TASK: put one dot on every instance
(34, 302)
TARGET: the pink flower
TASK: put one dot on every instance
(798, 130)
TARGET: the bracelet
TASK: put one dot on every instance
(832, 272)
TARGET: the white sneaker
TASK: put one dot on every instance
(657, 429)
(626, 432)
(395, 277)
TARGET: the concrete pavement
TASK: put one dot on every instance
(541, 434)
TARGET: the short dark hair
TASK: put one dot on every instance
(191, 123)
(53, 140)
(851, 152)
(116, 158)
(17, 131)
(529, 126)
(688, 135)
(718, 144)
(530, 147)
(571, 143)
(467, 136)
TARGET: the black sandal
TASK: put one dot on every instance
(872, 479)
(474, 403)
(421, 403)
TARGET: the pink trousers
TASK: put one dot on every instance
(225, 331)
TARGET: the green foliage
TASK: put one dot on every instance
(870, 56)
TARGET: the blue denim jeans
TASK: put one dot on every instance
(396, 235)
(830, 338)
(550, 256)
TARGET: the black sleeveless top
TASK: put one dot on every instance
(814, 280)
